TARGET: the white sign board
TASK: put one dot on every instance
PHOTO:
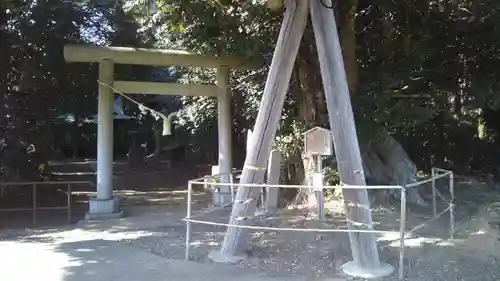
(317, 181)
(249, 139)
(215, 170)
(318, 141)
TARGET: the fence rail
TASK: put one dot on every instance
(436, 173)
(35, 185)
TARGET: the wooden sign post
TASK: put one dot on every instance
(318, 143)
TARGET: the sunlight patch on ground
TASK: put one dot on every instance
(411, 242)
(78, 235)
(38, 257)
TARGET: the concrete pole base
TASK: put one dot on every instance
(218, 257)
(353, 269)
(104, 209)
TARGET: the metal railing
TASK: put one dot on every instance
(436, 174)
(46, 184)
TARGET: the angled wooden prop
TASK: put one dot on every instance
(267, 122)
(365, 262)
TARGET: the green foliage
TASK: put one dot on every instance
(290, 139)
(332, 178)
(425, 69)
(210, 27)
(427, 72)
(37, 85)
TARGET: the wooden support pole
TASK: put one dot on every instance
(278, 79)
(365, 262)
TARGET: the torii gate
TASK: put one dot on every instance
(105, 205)
(366, 263)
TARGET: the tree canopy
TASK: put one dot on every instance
(423, 72)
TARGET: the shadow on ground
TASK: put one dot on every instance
(78, 255)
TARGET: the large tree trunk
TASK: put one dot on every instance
(347, 34)
(311, 102)
(386, 163)
(384, 160)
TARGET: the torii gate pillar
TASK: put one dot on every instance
(104, 205)
(223, 195)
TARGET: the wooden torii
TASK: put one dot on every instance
(365, 263)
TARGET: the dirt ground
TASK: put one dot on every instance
(429, 253)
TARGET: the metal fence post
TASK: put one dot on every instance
(402, 226)
(452, 206)
(434, 207)
(69, 203)
(34, 204)
(231, 188)
(188, 217)
(317, 182)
